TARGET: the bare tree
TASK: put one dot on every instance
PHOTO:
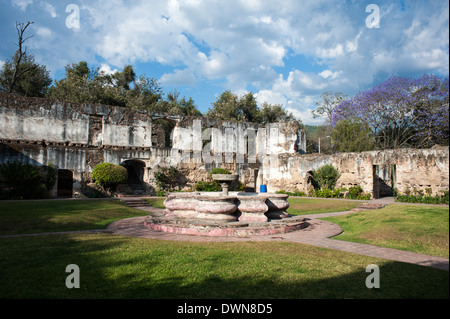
(19, 55)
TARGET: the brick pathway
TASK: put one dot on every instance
(317, 234)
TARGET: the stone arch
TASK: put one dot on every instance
(310, 182)
(135, 169)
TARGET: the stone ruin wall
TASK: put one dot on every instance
(401, 169)
(76, 137)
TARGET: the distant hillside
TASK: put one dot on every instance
(311, 129)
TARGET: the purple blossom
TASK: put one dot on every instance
(401, 111)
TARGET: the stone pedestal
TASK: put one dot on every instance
(189, 206)
(252, 208)
(278, 205)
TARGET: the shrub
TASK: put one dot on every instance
(423, 199)
(328, 193)
(326, 176)
(354, 192)
(296, 193)
(24, 181)
(109, 175)
(166, 177)
(208, 186)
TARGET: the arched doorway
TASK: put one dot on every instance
(135, 183)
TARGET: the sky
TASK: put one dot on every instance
(285, 52)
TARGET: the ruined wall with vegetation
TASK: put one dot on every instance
(377, 172)
(76, 137)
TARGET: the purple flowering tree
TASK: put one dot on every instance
(401, 112)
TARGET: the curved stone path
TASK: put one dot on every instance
(318, 233)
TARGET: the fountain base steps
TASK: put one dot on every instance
(219, 228)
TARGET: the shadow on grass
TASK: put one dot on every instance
(25, 217)
(122, 268)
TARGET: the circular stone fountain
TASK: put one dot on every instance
(225, 213)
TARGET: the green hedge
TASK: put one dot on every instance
(424, 199)
(109, 175)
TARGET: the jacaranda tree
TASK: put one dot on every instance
(401, 112)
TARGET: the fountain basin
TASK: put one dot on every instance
(214, 214)
(197, 206)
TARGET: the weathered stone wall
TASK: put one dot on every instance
(76, 137)
(401, 169)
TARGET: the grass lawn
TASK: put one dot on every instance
(306, 206)
(416, 228)
(22, 217)
(122, 267)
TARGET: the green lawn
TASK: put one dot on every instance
(124, 267)
(121, 267)
(417, 228)
(306, 206)
(22, 217)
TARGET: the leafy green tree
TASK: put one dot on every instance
(22, 74)
(248, 109)
(274, 113)
(82, 85)
(352, 136)
(183, 107)
(146, 94)
(230, 107)
(225, 108)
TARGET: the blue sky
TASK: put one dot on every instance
(285, 52)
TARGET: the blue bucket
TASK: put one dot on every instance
(263, 188)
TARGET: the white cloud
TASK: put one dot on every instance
(49, 8)
(44, 32)
(22, 4)
(253, 45)
(178, 78)
(106, 69)
(2, 63)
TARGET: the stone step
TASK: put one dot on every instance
(135, 202)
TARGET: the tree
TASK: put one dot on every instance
(183, 107)
(83, 85)
(326, 176)
(225, 108)
(274, 113)
(23, 75)
(146, 94)
(328, 103)
(88, 85)
(401, 112)
(230, 107)
(352, 136)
